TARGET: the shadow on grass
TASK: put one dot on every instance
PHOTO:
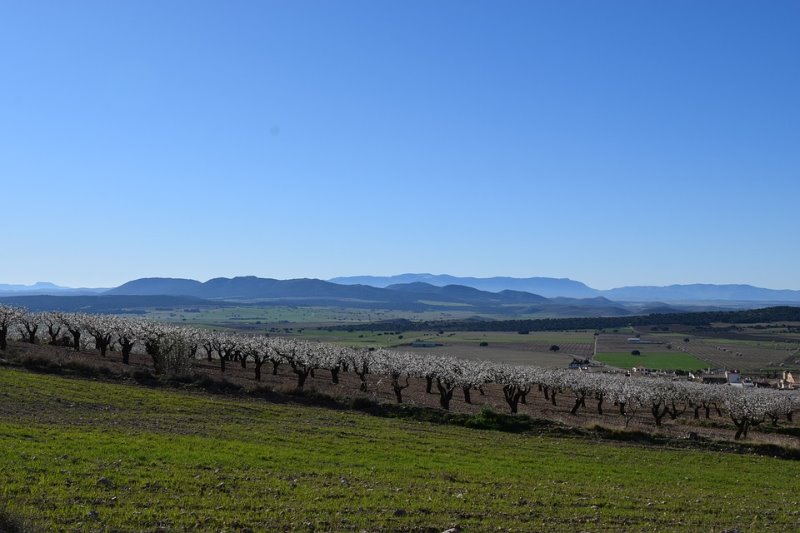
(11, 522)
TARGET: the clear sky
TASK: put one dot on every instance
(617, 143)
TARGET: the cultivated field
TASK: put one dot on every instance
(754, 351)
(292, 316)
(87, 455)
(532, 348)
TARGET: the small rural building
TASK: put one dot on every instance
(727, 377)
(635, 340)
(579, 364)
(715, 379)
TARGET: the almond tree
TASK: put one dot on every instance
(54, 325)
(274, 356)
(706, 397)
(300, 356)
(101, 329)
(128, 332)
(74, 324)
(8, 317)
(359, 361)
(779, 404)
(400, 367)
(516, 382)
(225, 344)
(473, 375)
(334, 359)
(449, 374)
(28, 325)
(580, 385)
(168, 347)
(258, 349)
(628, 394)
(746, 408)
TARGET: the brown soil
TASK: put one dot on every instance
(379, 390)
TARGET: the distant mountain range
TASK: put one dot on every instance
(547, 287)
(416, 296)
(506, 296)
(44, 287)
(556, 287)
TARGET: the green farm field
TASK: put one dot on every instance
(85, 455)
(672, 360)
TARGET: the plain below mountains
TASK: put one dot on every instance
(417, 296)
(543, 297)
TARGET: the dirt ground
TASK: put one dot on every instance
(379, 389)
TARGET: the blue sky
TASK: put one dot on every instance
(615, 143)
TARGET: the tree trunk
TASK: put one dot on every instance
(575, 407)
(512, 395)
(76, 339)
(127, 347)
(658, 412)
(31, 337)
(467, 398)
(445, 394)
(53, 333)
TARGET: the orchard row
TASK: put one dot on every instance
(175, 349)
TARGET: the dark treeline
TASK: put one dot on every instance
(750, 316)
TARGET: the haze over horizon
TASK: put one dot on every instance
(615, 143)
(336, 278)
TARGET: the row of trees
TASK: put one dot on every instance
(175, 349)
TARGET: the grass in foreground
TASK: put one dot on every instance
(80, 454)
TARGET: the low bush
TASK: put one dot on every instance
(11, 522)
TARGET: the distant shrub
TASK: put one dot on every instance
(484, 343)
(636, 352)
(489, 419)
(89, 369)
(41, 364)
(11, 522)
(145, 377)
(363, 403)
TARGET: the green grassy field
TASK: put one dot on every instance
(673, 360)
(86, 455)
